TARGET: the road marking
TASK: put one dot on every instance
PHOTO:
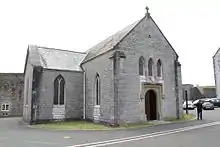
(41, 142)
(145, 136)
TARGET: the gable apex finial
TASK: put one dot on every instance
(147, 13)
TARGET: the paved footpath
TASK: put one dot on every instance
(13, 134)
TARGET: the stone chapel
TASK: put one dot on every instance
(132, 76)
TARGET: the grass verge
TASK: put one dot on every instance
(84, 125)
(185, 117)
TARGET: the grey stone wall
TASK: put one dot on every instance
(11, 93)
(104, 67)
(28, 76)
(73, 98)
(147, 41)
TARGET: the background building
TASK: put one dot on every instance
(11, 94)
(198, 92)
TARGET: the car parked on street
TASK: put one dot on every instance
(207, 105)
(191, 106)
(216, 102)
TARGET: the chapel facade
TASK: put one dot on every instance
(132, 76)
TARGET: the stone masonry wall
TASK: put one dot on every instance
(11, 94)
(147, 41)
(104, 67)
(73, 97)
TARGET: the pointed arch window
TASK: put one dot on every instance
(59, 85)
(159, 68)
(150, 67)
(97, 89)
(141, 66)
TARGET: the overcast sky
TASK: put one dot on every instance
(191, 26)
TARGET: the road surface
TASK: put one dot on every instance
(191, 134)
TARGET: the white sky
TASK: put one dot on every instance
(191, 26)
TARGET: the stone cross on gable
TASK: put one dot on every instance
(147, 13)
(147, 8)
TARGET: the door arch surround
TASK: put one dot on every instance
(151, 105)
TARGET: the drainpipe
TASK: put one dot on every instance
(84, 93)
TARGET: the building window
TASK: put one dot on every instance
(159, 68)
(97, 89)
(150, 67)
(5, 107)
(59, 85)
(141, 66)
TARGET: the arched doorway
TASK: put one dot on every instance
(151, 105)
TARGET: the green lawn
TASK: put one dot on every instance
(184, 118)
(84, 125)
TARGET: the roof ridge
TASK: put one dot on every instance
(60, 49)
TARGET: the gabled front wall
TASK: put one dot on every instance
(137, 44)
(104, 67)
(216, 64)
(73, 97)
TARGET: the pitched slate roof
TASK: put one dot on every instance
(57, 59)
(115, 39)
(109, 43)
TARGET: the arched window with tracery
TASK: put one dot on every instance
(159, 68)
(150, 67)
(141, 66)
(59, 85)
(97, 89)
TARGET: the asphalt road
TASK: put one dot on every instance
(14, 134)
(204, 137)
